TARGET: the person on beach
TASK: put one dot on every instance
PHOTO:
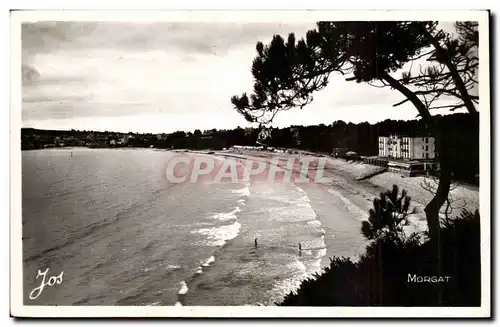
(255, 242)
(300, 249)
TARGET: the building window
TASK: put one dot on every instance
(427, 156)
(426, 148)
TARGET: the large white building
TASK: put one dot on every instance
(402, 147)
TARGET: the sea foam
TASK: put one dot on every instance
(208, 262)
(245, 191)
(219, 235)
(227, 215)
(184, 289)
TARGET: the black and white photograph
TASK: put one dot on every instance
(250, 164)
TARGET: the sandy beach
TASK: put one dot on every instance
(358, 196)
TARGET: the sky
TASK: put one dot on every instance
(163, 77)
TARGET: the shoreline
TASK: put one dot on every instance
(339, 190)
(319, 196)
(345, 174)
(360, 193)
(337, 204)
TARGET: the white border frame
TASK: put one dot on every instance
(18, 309)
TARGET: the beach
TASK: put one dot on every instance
(358, 195)
(123, 234)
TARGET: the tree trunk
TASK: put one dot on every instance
(422, 109)
(433, 207)
(443, 189)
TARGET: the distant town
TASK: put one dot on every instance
(40, 139)
(400, 146)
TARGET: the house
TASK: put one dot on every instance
(408, 156)
(408, 148)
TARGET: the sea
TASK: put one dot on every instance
(120, 233)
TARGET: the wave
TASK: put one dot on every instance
(181, 293)
(208, 262)
(218, 236)
(321, 253)
(227, 215)
(316, 265)
(245, 191)
(297, 265)
(293, 205)
(303, 201)
(289, 203)
(313, 244)
(314, 223)
(184, 289)
(173, 267)
(297, 272)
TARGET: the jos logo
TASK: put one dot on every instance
(50, 282)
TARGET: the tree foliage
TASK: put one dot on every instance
(288, 72)
(388, 216)
(452, 71)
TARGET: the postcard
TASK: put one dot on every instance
(250, 164)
